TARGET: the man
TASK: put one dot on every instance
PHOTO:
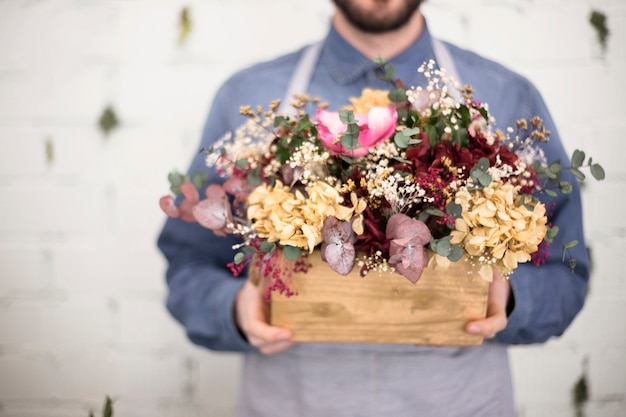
(281, 378)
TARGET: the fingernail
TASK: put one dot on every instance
(473, 329)
(283, 335)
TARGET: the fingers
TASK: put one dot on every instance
(251, 313)
(496, 320)
(487, 327)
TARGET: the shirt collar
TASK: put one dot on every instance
(346, 64)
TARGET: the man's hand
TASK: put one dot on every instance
(499, 292)
(252, 315)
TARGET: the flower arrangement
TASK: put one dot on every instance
(377, 184)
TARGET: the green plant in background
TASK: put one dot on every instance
(580, 393)
(49, 150)
(107, 408)
(598, 21)
(108, 120)
(184, 25)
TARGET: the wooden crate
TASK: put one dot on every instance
(383, 308)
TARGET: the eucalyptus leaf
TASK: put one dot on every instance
(346, 116)
(550, 192)
(239, 257)
(267, 247)
(565, 187)
(578, 158)
(597, 171)
(578, 174)
(241, 163)
(570, 244)
(454, 209)
(397, 95)
(253, 177)
(551, 233)
(249, 249)
(291, 252)
(199, 179)
(410, 132)
(456, 253)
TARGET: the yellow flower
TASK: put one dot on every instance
(499, 227)
(293, 218)
(369, 98)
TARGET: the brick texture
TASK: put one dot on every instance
(81, 283)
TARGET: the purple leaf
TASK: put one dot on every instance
(214, 212)
(168, 206)
(406, 247)
(337, 246)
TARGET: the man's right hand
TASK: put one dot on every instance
(252, 316)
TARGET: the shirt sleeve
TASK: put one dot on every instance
(201, 288)
(547, 298)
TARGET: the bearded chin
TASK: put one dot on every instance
(371, 23)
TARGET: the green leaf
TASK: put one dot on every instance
(410, 132)
(108, 120)
(350, 141)
(267, 247)
(572, 264)
(466, 118)
(578, 158)
(281, 121)
(282, 155)
(176, 179)
(347, 116)
(380, 61)
(254, 177)
(433, 138)
(239, 257)
(578, 174)
(108, 407)
(456, 253)
(433, 211)
(397, 95)
(551, 233)
(390, 72)
(249, 249)
(199, 179)
(597, 171)
(565, 187)
(456, 210)
(550, 192)
(241, 163)
(184, 25)
(443, 247)
(401, 141)
(570, 244)
(291, 252)
(580, 392)
(461, 137)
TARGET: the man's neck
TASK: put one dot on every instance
(380, 45)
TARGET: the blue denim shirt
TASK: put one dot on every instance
(201, 288)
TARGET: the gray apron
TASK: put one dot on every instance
(376, 380)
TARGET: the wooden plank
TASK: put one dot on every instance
(383, 308)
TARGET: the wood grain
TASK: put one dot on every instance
(383, 308)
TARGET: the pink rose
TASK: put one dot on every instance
(374, 127)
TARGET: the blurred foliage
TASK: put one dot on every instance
(598, 21)
(108, 120)
(107, 408)
(184, 25)
(49, 150)
(580, 392)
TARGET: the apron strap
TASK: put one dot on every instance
(301, 78)
(445, 61)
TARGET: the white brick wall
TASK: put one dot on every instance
(81, 282)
